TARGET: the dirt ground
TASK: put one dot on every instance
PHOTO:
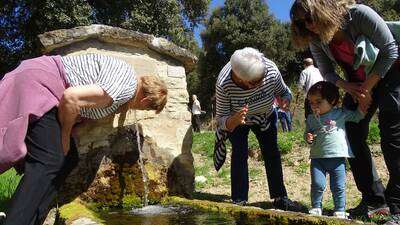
(296, 175)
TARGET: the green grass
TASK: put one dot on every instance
(8, 183)
(374, 134)
(203, 143)
(255, 172)
(302, 168)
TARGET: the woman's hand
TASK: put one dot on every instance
(238, 118)
(354, 89)
(370, 83)
(283, 103)
(309, 138)
(364, 102)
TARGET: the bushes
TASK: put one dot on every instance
(8, 183)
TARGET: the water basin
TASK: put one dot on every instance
(174, 215)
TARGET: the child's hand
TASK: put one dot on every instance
(309, 138)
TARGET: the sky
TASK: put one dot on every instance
(279, 8)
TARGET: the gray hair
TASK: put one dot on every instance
(308, 61)
(247, 63)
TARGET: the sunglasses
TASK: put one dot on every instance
(303, 21)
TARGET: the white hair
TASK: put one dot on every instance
(247, 64)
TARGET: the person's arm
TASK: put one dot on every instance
(75, 98)
(308, 135)
(324, 63)
(302, 81)
(368, 23)
(282, 91)
(354, 115)
(222, 107)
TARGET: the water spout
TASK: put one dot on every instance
(141, 163)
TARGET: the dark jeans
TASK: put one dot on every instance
(387, 98)
(389, 125)
(196, 123)
(45, 169)
(285, 120)
(362, 165)
(272, 159)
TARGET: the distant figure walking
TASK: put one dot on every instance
(284, 117)
(196, 112)
(308, 77)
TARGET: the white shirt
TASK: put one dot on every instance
(308, 77)
(196, 108)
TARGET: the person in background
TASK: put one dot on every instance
(308, 77)
(331, 29)
(325, 132)
(245, 92)
(196, 112)
(52, 93)
(284, 118)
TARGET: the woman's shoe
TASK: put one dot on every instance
(315, 211)
(341, 215)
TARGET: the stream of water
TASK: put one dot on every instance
(141, 163)
(174, 215)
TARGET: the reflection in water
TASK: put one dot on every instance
(158, 215)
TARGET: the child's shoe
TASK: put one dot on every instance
(341, 215)
(2, 217)
(315, 211)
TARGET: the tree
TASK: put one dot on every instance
(22, 20)
(388, 9)
(239, 24)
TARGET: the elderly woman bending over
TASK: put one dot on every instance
(245, 92)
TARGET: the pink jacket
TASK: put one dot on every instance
(26, 93)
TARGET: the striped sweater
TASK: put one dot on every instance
(114, 76)
(231, 98)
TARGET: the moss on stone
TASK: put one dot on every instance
(131, 201)
(276, 217)
(78, 209)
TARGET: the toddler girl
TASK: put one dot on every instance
(325, 132)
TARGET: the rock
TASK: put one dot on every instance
(84, 221)
(108, 172)
(200, 179)
(57, 39)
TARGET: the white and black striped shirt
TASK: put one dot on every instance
(116, 77)
(232, 98)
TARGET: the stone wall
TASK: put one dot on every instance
(108, 171)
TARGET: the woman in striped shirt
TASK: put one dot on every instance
(245, 92)
(41, 101)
